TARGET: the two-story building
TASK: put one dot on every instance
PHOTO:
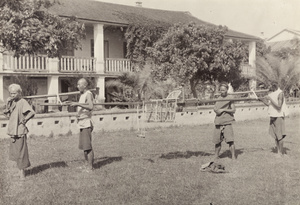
(103, 50)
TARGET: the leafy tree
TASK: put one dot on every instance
(227, 61)
(139, 38)
(27, 27)
(193, 54)
(286, 72)
(142, 33)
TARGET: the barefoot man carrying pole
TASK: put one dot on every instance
(223, 123)
(19, 113)
(84, 120)
(277, 111)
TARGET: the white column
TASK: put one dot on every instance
(99, 47)
(53, 65)
(1, 89)
(252, 62)
(100, 83)
(53, 88)
(1, 62)
(1, 80)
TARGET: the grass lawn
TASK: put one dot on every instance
(163, 168)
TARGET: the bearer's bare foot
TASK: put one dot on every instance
(22, 174)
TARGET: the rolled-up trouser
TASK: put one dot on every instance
(277, 128)
(223, 132)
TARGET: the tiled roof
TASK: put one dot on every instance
(109, 13)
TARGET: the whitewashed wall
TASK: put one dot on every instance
(57, 124)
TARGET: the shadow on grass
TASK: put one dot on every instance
(100, 162)
(274, 150)
(227, 153)
(44, 167)
(187, 154)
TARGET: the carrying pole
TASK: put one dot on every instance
(150, 102)
(59, 94)
(249, 92)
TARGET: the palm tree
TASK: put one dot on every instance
(141, 84)
(285, 72)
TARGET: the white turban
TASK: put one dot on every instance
(15, 87)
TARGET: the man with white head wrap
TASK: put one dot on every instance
(19, 112)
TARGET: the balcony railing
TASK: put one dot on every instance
(117, 65)
(248, 71)
(77, 64)
(66, 64)
(25, 63)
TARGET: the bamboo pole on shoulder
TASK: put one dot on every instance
(248, 92)
(151, 102)
(59, 94)
(198, 101)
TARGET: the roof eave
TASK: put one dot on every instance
(242, 38)
(85, 20)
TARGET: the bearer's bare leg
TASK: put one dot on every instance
(279, 145)
(232, 149)
(22, 174)
(217, 150)
(89, 155)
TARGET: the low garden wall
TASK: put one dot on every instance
(64, 123)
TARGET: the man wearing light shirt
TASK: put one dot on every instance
(277, 111)
(84, 121)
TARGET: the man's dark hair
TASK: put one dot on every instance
(274, 86)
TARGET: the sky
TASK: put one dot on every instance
(261, 18)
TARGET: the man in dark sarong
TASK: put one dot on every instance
(19, 112)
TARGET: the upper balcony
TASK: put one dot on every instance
(67, 64)
(78, 65)
(25, 63)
